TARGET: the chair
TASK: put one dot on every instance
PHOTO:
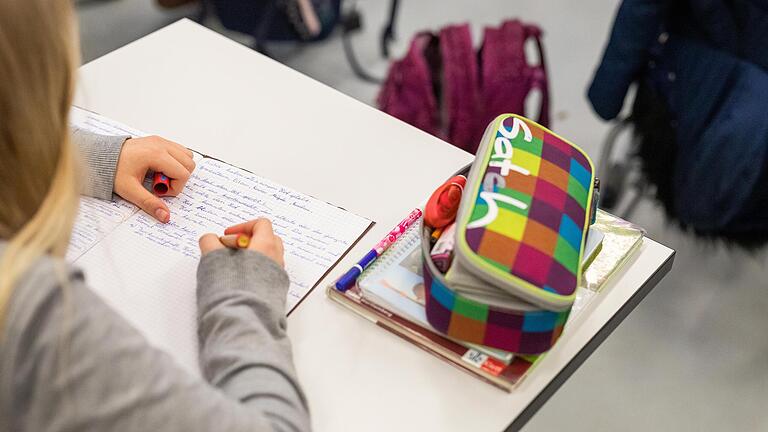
(623, 185)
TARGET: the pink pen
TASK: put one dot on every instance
(393, 235)
(349, 278)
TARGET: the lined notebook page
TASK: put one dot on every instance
(93, 122)
(97, 218)
(147, 270)
(315, 234)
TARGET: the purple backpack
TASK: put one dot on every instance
(446, 89)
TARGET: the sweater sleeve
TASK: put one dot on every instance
(69, 362)
(241, 305)
(100, 154)
(636, 26)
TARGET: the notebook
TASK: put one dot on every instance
(147, 270)
(391, 294)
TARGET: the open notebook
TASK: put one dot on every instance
(147, 270)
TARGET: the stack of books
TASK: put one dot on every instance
(390, 293)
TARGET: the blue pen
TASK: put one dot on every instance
(348, 279)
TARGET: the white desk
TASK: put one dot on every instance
(193, 86)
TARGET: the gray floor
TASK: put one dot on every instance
(693, 355)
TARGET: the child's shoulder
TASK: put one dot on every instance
(39, 288)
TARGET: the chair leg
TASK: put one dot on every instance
(631, 206)
(203, 13)
(388, 34)
(352, 22)
(260, 32)
(612, 174)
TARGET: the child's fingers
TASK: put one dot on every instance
(182, 155)
(262, 230)
(209, 243)
(175, 170)
(235, 241)
(280, 252)
(265, 241)
(280, 249)
(154, 206)
(169, 166)
(186, 151)
(175, 187)
(260, 237)
(249, 228)
(230, 240)
(245, 228)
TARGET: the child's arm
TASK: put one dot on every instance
(78, 365)
(99, 154)
(232, 287)
(119, 164)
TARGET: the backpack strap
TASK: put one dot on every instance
(460, 95)
(507, 77)
(539, 77)
(407, 92)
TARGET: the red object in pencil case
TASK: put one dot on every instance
(444, 203)
(161, 184)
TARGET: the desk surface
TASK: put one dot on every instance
(196, 87)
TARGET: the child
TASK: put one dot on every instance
(68, 361)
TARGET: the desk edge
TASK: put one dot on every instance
(590, 347)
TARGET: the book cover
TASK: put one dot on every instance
(472, 361)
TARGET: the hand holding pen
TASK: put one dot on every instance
(254, 235)
(139, 155)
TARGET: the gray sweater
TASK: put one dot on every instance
(68, 362)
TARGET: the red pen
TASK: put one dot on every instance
(161, 184)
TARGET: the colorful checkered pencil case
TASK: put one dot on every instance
(521, 228)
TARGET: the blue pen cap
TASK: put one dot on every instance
(350, 277)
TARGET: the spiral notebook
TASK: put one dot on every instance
(399, 268)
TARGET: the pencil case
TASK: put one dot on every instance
(520, 231)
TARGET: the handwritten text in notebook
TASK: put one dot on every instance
(219, 195)
(96, 219)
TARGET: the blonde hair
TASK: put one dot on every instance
(38, 172)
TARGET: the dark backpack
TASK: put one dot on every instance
(279, 20)
(446, 89)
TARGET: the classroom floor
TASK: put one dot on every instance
(693, 355)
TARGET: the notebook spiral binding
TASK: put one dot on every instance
(405, 244)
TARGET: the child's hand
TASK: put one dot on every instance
(140, 155)
(263, 239)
